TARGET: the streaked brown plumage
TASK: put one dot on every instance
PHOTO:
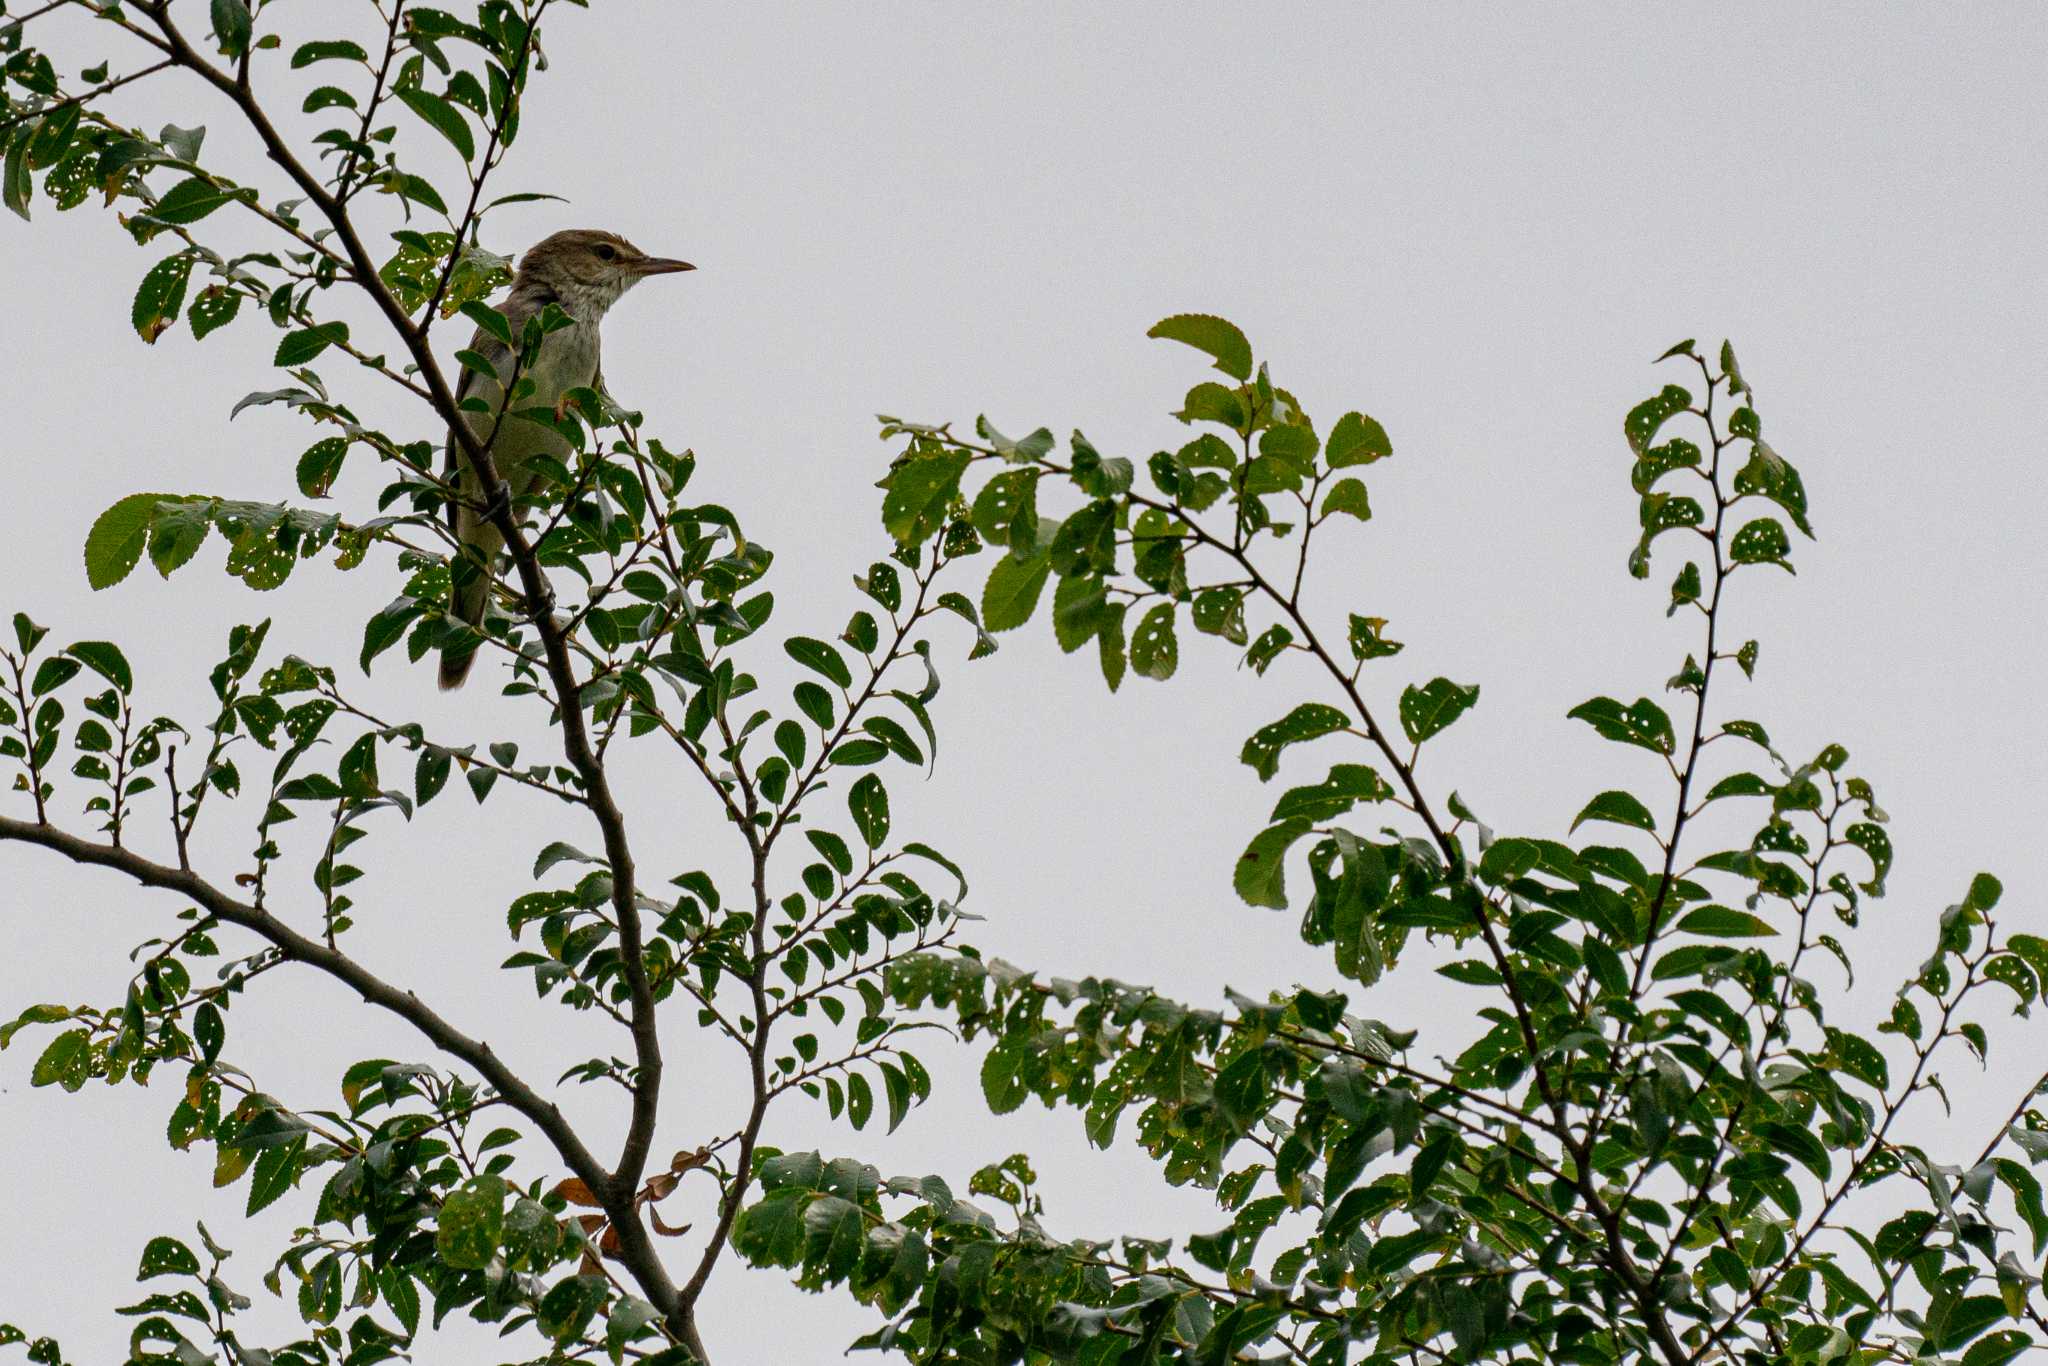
(585, 271)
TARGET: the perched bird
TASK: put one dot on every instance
(584, 271)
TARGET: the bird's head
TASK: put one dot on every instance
(587, 270)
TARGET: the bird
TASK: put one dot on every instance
(585, 271)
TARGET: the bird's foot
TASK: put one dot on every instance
(500, 501)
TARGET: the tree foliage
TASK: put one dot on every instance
(1656, 1147)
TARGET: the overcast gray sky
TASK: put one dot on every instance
(1479, 224)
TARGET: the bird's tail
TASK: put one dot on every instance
(470, 594)
(454, 666)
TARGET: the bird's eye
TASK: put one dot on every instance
(607, 252)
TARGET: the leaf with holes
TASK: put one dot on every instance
(868, 800)
(1306, 722)
(1647, 417)
(1155, 653)
(1431, 708)
(1762, 541)
(1642, 723)
(159, 297)
(1619, 807)
(1356, 440)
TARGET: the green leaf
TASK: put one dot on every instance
(212, 309)
(1762, 541)
(1770, 475)
(319, 466)
(1368, 641)
(166, 1257)
(868, 800)
(1013, 590)
(1619, 807)
(1860, 1059)
(1647, 417)
(814, 702)
(66, 1061)
(114, 545)
(860, 753)
(52, 674)
(188, 201)
(559, 852)
(1110, 639)
(1260, 873)
(231, 26)
(1643, 723)
(1348, 496)
(1212, 336)
(309, 53)
(277, 1171)
(819, 657)
(298, 347)
(106, 660)
(569, 1306)
(358, 770)
(1086, 541)
(1356, 440)
(490, 320)
(1995, 1349)
(1080, 608)
(1210, 402)
(443, 117)
(1428, 710)
(159, 297)
(920, 491)
(1305, 722)
(17, 185)
(472, 1222)
(1154, 651)
(1334, 795)
(1006, 510)
(1720, 922)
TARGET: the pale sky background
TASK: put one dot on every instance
(1477, 224)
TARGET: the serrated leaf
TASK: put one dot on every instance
(114, 545)
(1305, 722)
(1642, 723)
(868, 801)
(1356, 440)
(1619, 807)
(1013, 590)
(1348, 496)
(1430, 709)
(1155, 653)
(1259, 876)
(1213, 336)
(443, 117)
(159, 297)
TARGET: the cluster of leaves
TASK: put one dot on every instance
(657, 655)
(1656, 1146)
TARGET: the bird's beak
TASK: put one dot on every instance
(659, 265)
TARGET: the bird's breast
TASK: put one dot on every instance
(567, 360)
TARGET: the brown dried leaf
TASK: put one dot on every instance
(577, 1192)
(663, 1229)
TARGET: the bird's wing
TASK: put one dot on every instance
(496, 352)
